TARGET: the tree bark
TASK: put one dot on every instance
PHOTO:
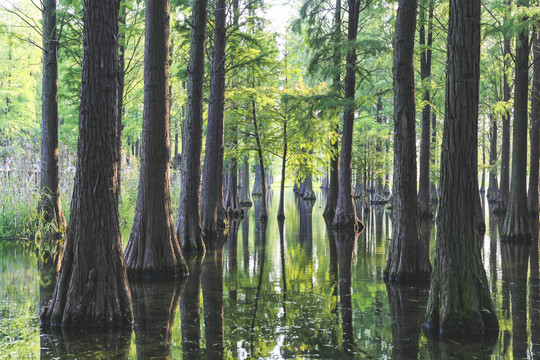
(244, 196)
(532, 197)
(493, 189)
(516, 223)
(263, 212)
(212, 208)
(121, 83)
(424, 196)
(92, 288)
(505, 146)
(50, 205)
(188, 224)
(345, 216)
(153, 249)
(459, 300)
(281, 211)
(408, 257)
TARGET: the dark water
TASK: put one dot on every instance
(279, 292)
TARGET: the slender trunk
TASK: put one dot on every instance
(516, 224)
(50, 205)
(281, 212)
(532, 200)
(493, 189)
(121, 83)
(408, 257)
(188, 224)
(505, 146)
(263, 213)
(345, 216)
(244, 198)
(212, 208)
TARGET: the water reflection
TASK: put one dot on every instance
(534, 293)
(154, 310)
(190, 309)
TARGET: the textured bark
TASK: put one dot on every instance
(232, 204)
(432, 187)
(244, 195)
(407, 306)
(516, 223)
(459, 300)
(424, 196)
(505, 146)
(345, 216)
(154, 309)
(257, 184)
(92, 288)
(121, 83)
(153, 249)
(493, 189)
(306, 190)
(263, 212)
(188, 224)
(408, 257)
(190, 309)
(212, 208)
(50, 205)
(333, 187)
(532, 196)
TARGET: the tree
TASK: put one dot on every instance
(516, 223)
(345, 216)
(212, 208)
(532, 197)
(50, 204)
(424, 196)
(188, 224)
(153, 249)
(459, 299)
(92, 288)
(408, 256)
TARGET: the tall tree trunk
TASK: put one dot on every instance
(92, 288)
(50, 205)
(459, 299)
(153, 249)
(331, 198)
(516, 223)
(424, 196)
(281, 211)
(188, 224)
(121, 83)
(212, 208)
(532, 198)
(493, 189)
(432, 187)
(505, 146)
(408, 257)
(257, 184)
(244, 196)
(345, 216)
(263, 212)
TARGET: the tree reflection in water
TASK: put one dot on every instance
(154, 309)
(190, 309)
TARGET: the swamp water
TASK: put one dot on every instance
(277, 293)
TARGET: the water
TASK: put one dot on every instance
(277, 293)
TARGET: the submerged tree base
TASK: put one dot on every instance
(178, 271)
(246, 203)
(409, 277)
(349, 226)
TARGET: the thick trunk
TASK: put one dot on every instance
(244, 197)
(408, 257)
(306, 190)
(257, 184)
(153, 249)
(154, 310)
(459, 300)
(493, 189)
(121, 83)
(424, 196)
(213, 213)
(50, 205)
(92, 288)
(188, 224)
(532, 197)
(516, 224)
(345, 216)
(190, 310)
(432, 187)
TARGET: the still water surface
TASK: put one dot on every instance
(290, 291)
